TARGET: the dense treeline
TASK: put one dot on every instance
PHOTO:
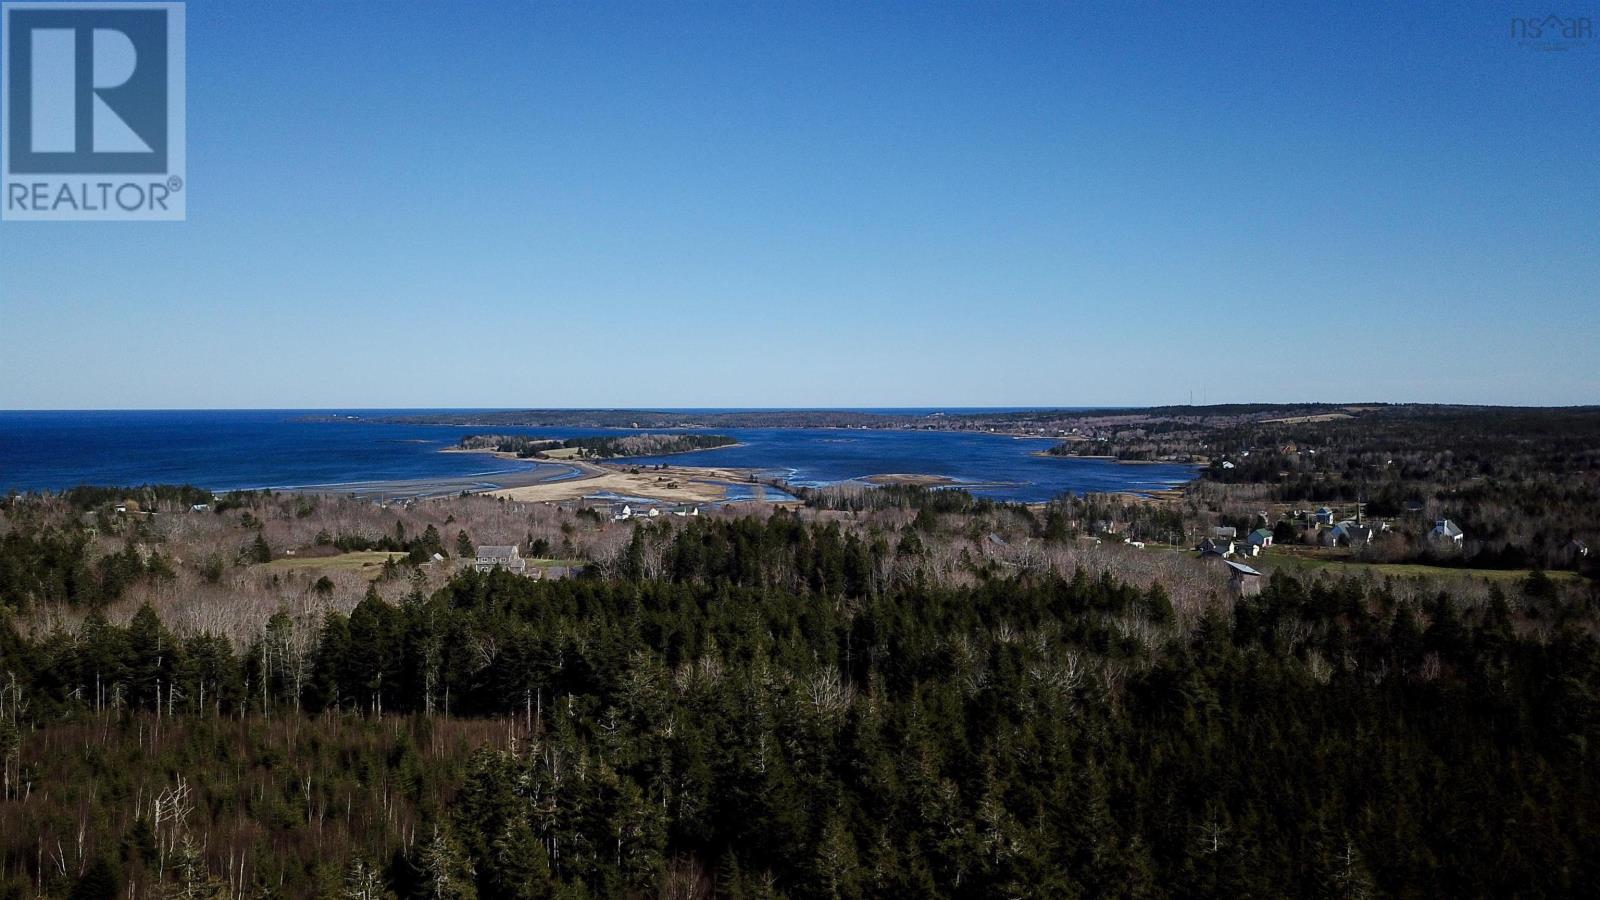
(519, 444)
(1148, 442)
(776, 715)
(419, 548)
(151, 495)
(55, 564)
(646, 444)
(857, 498)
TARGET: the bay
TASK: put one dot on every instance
(300, 449)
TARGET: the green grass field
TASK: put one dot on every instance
(370, 560)
(1300, 564)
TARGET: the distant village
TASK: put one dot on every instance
(1320, 527)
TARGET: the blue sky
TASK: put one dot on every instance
(784, 204)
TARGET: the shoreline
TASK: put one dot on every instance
(506, 455)
(622, 479)
(657, 483)
(632, 478)
(1045, 454)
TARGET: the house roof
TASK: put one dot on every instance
(1241, 568)
(1261, 533)
(1446, 528)
(495, 551)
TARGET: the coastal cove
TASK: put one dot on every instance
(344, 451)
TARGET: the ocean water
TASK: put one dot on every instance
(229, 450)
(988, 465)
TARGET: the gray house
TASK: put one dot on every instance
(1348, 533)
(508, 558)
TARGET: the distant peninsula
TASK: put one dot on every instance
(604, 447)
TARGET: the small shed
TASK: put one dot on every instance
(1243, 581)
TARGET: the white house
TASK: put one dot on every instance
(1446, 532)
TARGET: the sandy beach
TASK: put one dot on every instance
(910, 478)
(673, 484)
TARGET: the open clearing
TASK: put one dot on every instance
(1302, 564)
(370, 560)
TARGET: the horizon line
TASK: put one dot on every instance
(861, 409)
